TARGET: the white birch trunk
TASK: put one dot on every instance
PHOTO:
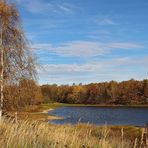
(1, 75)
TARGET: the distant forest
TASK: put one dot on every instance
(124, 93)
(28, 93)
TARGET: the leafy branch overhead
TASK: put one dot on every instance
(18, 59)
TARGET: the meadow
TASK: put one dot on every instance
(38, 134)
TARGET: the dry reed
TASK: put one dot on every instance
(37, 134)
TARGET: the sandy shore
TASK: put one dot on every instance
(50, 117)
(46, 111)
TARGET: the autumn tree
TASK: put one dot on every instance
(145, 89)
(113, 90)
(77, 95)
(17, 61)
(125, 93)
(33, 95)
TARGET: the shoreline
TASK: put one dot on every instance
(46, 111)
(53, 106)
(43, 109)
(51, 117)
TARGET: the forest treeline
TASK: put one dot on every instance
(124, 93)
(28, 92)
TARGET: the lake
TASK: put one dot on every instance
(101, 115)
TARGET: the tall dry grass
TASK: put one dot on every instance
(37, 134)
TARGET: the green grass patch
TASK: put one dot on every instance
(57, 105)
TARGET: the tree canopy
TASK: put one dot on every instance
(17, 60)
(124, 93)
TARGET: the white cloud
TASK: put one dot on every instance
(125, 46)
(85, 48)
(114, 69)
(42, 7)
(105, 21)
(87, 67)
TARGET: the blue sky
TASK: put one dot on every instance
(87, 40)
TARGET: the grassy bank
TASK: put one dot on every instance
(34, 112)
(56, 105)
(36, 134)
(31, 132)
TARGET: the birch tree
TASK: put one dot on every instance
(16, 59)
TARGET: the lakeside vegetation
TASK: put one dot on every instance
(25, 133)
(32, 130)
(57, 105)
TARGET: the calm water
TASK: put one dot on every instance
(102, 115)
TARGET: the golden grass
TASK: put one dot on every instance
(37, 134)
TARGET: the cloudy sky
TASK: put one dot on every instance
(87, 40)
